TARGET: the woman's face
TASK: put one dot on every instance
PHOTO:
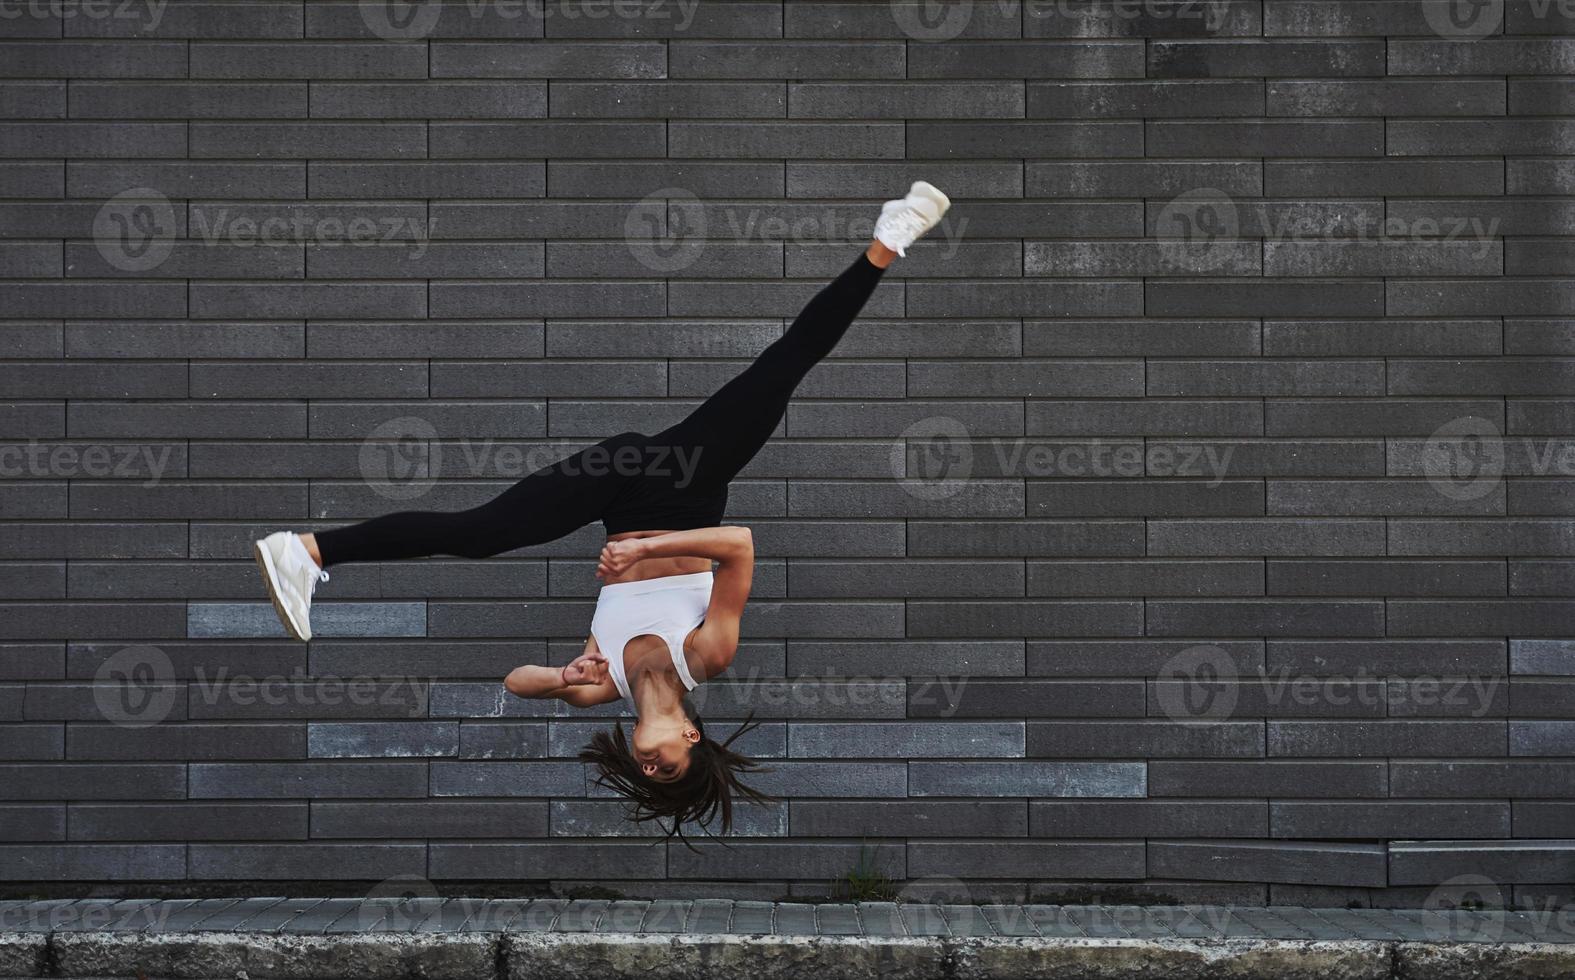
(662, 750)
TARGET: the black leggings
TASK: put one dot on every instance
(714, 442)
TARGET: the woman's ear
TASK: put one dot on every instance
(692, 736)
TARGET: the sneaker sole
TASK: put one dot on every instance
(933, 193)
(265, 563)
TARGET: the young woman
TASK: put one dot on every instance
(664, 620)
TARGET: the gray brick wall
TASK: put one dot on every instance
(1189, 517)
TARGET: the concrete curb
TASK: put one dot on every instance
(1484, 961)
(199, 956)
(1143, 959)
(22, 954)
(589, 956)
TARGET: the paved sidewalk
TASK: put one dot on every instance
(521, 939)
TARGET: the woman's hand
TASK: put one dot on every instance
(588, 668)
(618, 557)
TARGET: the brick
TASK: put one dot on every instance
(307, 780)
(796, 59)
(361, 740)
(902, 100)
(245, 862)
(980, 658)
(1143, 497)
(1312, 864)
(95, 59)
(635, 860)
(1144, 818)
(163, 100)
(1032, 778)
(32, 823)
(1043, 859)
(1427, 137)
(908, 578)
(1484, 56)
(903, 740)
(1133, 658)
(1386, 738)
(188, 821)
(1144, 100)
(527, 779)
(1149, 337)
(184, 742)
(302, 140)
(1150, 416)
(94, 782)
(1387, 97)
(943, 140)
(1263, 298)
(938, 818)
(609, 818)
(1387, 177)
(1268, 57)
(111, 862)
(1277, 778)
(549, 59)
(1027, 59)
(1432, 862)
(942, 697)
(432, 818)
(1141, 178)
(1147, 739)
(1480, 779)
(760, 859)
(1387, 820)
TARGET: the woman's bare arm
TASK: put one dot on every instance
(582, 683)
(717, 543)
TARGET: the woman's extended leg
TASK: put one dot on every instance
(546, 505)
(726, 431)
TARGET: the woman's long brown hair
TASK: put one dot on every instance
(705, 791)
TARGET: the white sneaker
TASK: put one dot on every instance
(292, 577)
(903, 220)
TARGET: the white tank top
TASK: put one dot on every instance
(668, 607)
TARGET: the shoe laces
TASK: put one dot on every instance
(909, 220)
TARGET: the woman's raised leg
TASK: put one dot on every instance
(548, 504)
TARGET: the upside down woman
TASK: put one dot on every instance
(665, 620)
